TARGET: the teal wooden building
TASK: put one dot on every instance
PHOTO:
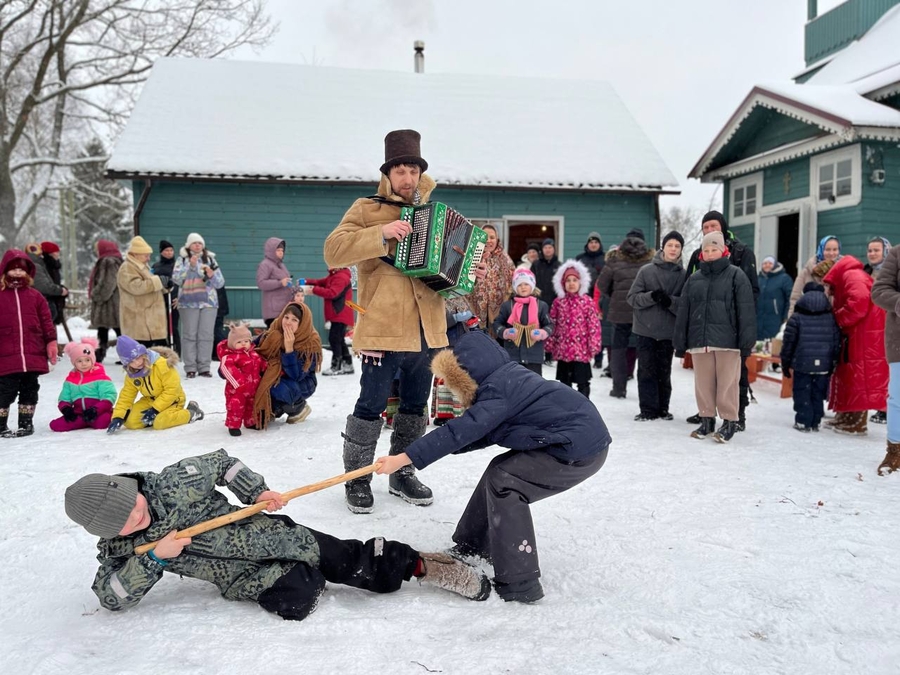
(241, 151)
(820, 155)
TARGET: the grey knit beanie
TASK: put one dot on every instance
(101, 504)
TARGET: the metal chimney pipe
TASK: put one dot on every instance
(812, 9)
(419, 58)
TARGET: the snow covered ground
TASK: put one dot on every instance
(777, 553)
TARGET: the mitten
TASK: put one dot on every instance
(465, 315)
(656, 296)
(90, 414)
(69, 413)
(665, 301)
(148, 416)
(115, 425)
(539, 334)
(509, 334)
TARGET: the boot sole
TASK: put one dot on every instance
(845, 432)
(700, 437)
(360, 509)
(427, 501)
(720, 439)
(299, 417)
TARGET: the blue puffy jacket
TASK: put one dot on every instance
(511, 407)
(812, 339)
(295, 383)
(773, 302)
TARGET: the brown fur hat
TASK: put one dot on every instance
(446, 367)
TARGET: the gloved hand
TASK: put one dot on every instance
(539, 334)
(90, 414)
(465, 315)
(148, 416)
(787, 371)
(115, 425)
(509, 334)
(661, 298)
(165, 281)
(69, 414)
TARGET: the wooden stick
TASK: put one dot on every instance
(248, 511)
(352, 305)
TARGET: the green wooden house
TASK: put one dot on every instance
(242, 151)
(820, 155)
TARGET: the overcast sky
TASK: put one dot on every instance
(681, 66)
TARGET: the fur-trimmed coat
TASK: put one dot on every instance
(509, 406)
(162, 384)
(620, 271)
(105, 293)
(142, 309)
(398, 307)
(576, 324)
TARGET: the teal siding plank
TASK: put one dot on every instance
(774, 183)
(745, 234)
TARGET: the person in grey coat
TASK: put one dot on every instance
(717, 323)
(654, 298)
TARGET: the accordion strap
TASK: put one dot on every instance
(383, 200)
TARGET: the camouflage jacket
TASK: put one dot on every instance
(242, 559)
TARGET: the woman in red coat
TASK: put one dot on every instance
(860, 380)
(28, 344)
(335, 290)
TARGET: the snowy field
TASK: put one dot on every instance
(777, 553)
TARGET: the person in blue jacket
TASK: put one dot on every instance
(556, 437)
(774, 298)
(812, 344)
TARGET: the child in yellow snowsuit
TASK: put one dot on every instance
(152, 374)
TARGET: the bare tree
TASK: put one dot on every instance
(686, 221)
(74, 66)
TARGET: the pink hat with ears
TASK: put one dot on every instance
(84, 347)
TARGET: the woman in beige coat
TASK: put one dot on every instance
(142, 312)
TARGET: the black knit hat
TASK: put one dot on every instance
(715, 215)
(403, 147)
(548, 242)
(163, 245)
(636, 233)
(676, 235)
(533, 247)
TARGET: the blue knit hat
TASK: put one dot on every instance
(129, 350)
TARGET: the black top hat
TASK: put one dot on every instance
(402, 147)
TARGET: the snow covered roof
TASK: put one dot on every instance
(839, 111)
(251, 120)
(873, 54)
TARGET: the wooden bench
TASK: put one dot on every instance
(755, 365)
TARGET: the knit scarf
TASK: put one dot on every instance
(529, 305)
(308, 346)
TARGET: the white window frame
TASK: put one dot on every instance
(755, 180)
(852, 153)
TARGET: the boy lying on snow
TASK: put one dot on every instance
(271, 560)
(558, 440)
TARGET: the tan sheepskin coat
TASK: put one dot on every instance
(395, 304)
(142, 314)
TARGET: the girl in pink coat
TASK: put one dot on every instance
(88, 395)
(576, 337)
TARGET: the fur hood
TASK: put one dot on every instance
(170, 355)
(634, 250)
(446, 366)
(584, 277)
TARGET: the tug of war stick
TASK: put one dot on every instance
(248, 511)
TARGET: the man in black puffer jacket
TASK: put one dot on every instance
(741, 257)
(544, 268)
(622, 266)
(594, 258)
(717, 323)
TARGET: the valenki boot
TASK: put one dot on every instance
(454, 575)
(403, 482)
(360, 439)
(891, 461)
(26, 421)
(853, 424)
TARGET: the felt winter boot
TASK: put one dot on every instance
(853, 424)
(707, 428)
(403, 482)
(453, 575)
(891, 461)
(837, 419)
(26, 421)
(360, 439)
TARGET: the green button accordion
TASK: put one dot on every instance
(441, 250)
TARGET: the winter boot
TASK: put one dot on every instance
(335, 369)
(853, 424)
(26, 421)
(879, 417)
(891, 461)
(707, 428)
(837, 419)
(454, 575)
(360, 439)
(693, 419)
(726, 431)
(4, 423)
(741, 424)
(196, 413)
(403, 482)
(347, 367)
(99, 354)
(527, 591)
(300, 416)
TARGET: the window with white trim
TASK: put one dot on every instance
(746, 195)
(836, 178)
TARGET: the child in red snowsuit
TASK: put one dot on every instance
(242, 368)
